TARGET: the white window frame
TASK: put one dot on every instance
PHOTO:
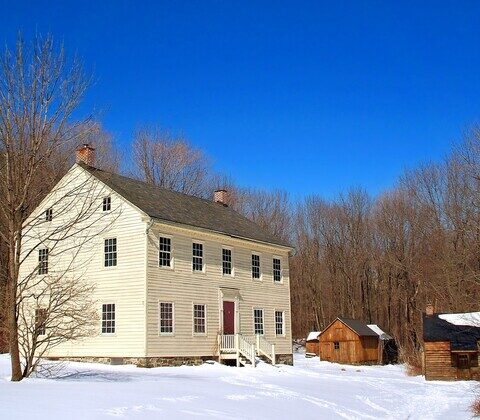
(46, 260)
(114, 319)
(44, 326)
(275, 257)
(110, 267)
(263, 321)
(193, 319)
(260, 278)
(203, 270)
(232, 274)
(275, 322)
(166, 267)
(160, 332)
(107, 203)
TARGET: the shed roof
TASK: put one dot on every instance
(461, 337)
(313, 335)
(360, 327)
(163, 204)
(382, 334)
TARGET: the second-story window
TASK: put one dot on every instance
(277, 270)
(107, 203)
(227, 262)
(43, 261)
(165, 252)
(40, 321)
(197, 258)
(49, 214)
(110, 252)
(255, 266)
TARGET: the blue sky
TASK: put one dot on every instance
(311, 97)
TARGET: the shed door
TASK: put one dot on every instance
(228, 317)
(463, 366)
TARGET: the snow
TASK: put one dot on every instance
(377, 330)
(309, 390)
(313, 335)
(471, 319)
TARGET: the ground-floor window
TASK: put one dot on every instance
(336, 345)
(199, 319)
(258, 321)
(40, 321)
(166, 318)
(108, 318)
(279, 323)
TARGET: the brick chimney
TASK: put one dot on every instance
(221, 196)
(86, 154)
(430, 309)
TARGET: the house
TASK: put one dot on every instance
(451, 345)
(350, 341)
(178, 279)
(312, 343)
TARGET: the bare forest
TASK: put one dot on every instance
(380, 259)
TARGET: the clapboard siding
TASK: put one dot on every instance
(184, 288)
(124, 285)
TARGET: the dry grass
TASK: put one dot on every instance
(413, 362)
(413, 369)
(475, 407)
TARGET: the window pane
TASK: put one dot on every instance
(108, 318)
(279, 323)
(255, 266)
(197, 259)
(165, 252)
(107, 203)
(258, 321)
(43, 261)
(277, 270)
(110, 252)
(199, 324)
(166, 317)
(49, 215)
(226, 261)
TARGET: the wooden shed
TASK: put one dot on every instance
(451, 345)
(349, 341)
(311, 345)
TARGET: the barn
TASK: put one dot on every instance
(312, 343)
(451, 345)
(351, 341)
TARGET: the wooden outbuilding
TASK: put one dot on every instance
(312, 344)
(351, 341)
(451, 345)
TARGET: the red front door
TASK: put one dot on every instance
(228, 317)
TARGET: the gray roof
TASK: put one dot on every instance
(359, 327)
(170, 206)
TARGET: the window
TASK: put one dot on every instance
(279, 324)
(49, 214)
(197, 262)
(40, 320)
(165, 252)
(111, 252)
(463, 361)
(199, 319)
(108, 318)
(43, 261)
(107, 203)
(277, 270)
(255, 266)
(336, 345)
(227, 262)
(166, 318)
(258, 321)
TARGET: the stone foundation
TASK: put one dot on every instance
(284, 359)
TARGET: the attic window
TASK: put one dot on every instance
(49, 214)
(107, 203)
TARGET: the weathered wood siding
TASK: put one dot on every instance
(124, 285)
(313, 347)
(353, 349)
(184, 288)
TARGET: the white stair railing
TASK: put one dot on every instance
(227, 343)
(265, 348)
(246, 349)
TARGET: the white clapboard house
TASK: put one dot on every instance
(177, 279)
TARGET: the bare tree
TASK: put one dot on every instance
(169, 161)
(40, 89)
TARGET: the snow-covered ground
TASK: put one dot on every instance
(309, 390)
